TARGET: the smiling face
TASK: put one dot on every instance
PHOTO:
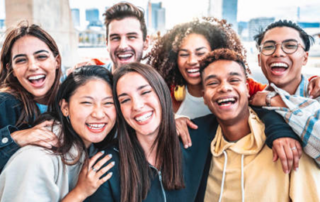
(193, 48)
(91, 111)
(139, 104)
(34, 66)
(225, 90)
(284, 70)
(125, 41)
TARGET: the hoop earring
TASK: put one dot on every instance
(179, 93)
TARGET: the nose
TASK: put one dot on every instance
(137, 103)
(225, 87)
(98, 112)
(32, 64)
(192, 60)
(123, 43)
(278, 52)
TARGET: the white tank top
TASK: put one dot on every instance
(193, 107)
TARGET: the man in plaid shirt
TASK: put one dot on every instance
(283, 48)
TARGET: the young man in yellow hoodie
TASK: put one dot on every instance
(241, 167)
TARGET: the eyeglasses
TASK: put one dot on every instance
(289, 47)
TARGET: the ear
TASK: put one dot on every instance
(259, 60)
(107, 44)
(146, 43)
(64, 107)
(58, 61)
(305, 58)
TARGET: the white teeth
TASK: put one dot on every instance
(226, 100)
(192, 70)
(36, 77)
(279, 65)
(143, 117)
(125, 55)
(96, 126)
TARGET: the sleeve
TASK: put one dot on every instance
(10, 111)
(29, 176)
(255, 86)
(304, 183)
(303, 116)
(275, 125)
(103, 194)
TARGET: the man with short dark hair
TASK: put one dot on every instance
(126, 33)
(126, 36)
(284, 47)
(241, 166)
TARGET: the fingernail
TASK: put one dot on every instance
(287, 171)
(311, 97)
(297, 169)
(190, 144)
(102, 152)
(113, 162)
(111, 173)
(186, 146)
(110, 155)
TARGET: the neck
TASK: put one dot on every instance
(195, 90)
(292, 87)
(41, 100)
(236, 130)
(146, 142)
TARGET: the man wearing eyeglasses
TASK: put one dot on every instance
(283, 48)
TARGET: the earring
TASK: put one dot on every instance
(179, 93)
(68, 119)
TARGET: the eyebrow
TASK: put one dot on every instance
(212, 76)
(281, 42)
(197, 49)
(139, 88)
(22, 55)
(130, 33)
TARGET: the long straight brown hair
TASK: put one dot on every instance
(134, 169)
(10, 84)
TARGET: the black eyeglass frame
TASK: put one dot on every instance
(275, 44)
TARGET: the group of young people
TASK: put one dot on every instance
(182, 127)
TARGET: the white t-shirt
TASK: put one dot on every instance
(193, 107)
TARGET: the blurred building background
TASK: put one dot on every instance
(78, 25)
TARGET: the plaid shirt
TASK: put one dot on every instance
(303, 115)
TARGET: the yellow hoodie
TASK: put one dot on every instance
(251, 175)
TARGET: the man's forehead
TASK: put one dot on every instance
(279, 34)
(125, 26)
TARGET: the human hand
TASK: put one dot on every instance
(314, 88)
(90, 178)
(182, 130)
(80, 64)
(38, 135)
(289, 151)
(259, 99)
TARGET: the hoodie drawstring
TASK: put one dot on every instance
(242, 178)
(224, 174)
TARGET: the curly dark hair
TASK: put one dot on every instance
(222, 54)
(163, 56)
